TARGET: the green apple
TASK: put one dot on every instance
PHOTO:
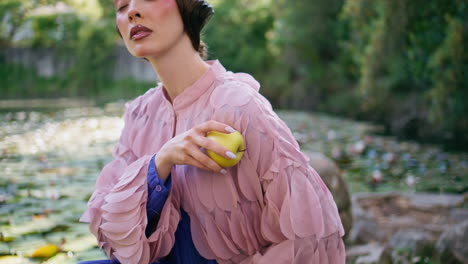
(234, 142)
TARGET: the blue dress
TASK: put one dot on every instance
(184, 251)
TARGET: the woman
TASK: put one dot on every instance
(162, 199)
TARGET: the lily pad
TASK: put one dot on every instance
(14, 260)
(49, 163)
(80, 244)
(35, 226)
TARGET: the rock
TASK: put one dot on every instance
(458, 214)
(367, 254)
(433, 201)
(410, 244)
(414, 240)
(452, 246)
(407, 211)
(331, 176)
(409, 224)
(366, 230)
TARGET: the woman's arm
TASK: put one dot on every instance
(299, 219)
(117, 210)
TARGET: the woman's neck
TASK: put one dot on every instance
(179, 67)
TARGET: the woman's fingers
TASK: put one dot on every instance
(215, 147)
(193, 162)
(213, 126)
(202, 141)
(203, 159)
(189, 144)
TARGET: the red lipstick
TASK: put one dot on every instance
(139, 32)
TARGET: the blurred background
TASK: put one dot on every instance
(375, 91)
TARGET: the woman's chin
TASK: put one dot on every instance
(141, 50)
(144, 53)
(139, 53)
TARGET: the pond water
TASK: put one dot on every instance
(49, 162)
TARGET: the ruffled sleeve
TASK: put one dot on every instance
(299, 218)
(117, 208)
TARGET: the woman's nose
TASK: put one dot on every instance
(133, 13)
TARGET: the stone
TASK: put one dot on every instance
(413, 240)
(366, 230)
(371, 253)
(396, 211)
(331, 176)
(433, 201)
(412, 225)
(458, 214)
(452, 246)
(410, 244)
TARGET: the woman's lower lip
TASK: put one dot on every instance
(140, 35)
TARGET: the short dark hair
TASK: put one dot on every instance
(195, 14)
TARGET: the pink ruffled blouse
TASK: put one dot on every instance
(272, 207)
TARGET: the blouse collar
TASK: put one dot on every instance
(198, 88)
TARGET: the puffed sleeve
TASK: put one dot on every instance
(117, 208)
(299, 219)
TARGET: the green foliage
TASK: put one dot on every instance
(449, 67)
(15, 15)
(237, 35)
(12, 13)
(84, 42)
(306, 36)
(401, 63)
(379, 26)
(404, 51)
(92, 72)
(13, 85)
(22, 82)
(55, 29)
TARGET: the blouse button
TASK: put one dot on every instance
(158, 188)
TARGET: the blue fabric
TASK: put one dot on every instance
(158, 191)
(184, 251)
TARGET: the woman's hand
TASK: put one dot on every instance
(185, 149)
